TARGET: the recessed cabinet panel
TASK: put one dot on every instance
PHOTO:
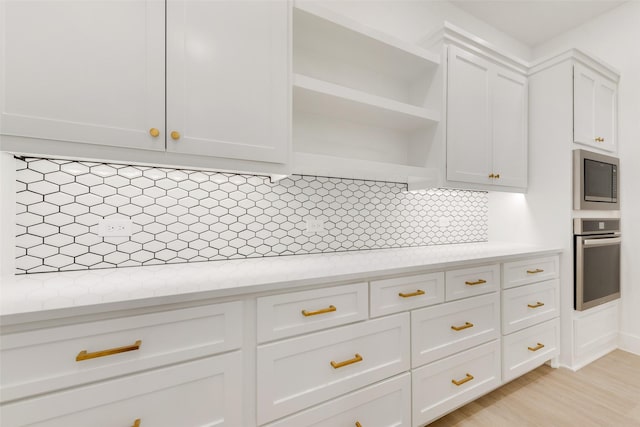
(203, 392)
(527, 305)
(228, 79)
(509, 123)
(294, 313)
(468, 118)
(446, 384)
(404, 293)
(66, 356)
(297, 373)
(84, 71)
(445, 329)
(385, 404)
(594, 109)
(530, 348)
(486, 123)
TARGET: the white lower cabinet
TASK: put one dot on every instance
(385, 404)
(449, 383)
(382, 352)
(297, 373)
(203, 392)
(530, 315)
(530, 348)
(442, 330)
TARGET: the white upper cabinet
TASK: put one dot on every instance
(468, 117)
(228, 79)
(84, 71)
(509, 120)
(94, 73)
(486, 122)
(594, 109)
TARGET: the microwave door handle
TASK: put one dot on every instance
(602, 242)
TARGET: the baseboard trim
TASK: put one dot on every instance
(629, 342)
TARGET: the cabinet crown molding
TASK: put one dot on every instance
(452, 34)
(577, 55)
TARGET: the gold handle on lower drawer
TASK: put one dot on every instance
(477, 282)
(136, 423)
(536, 271)
(412, 294)
(467, 378)
(329, 309)
(466, 325)
(83, 355)
(536, 305)
(358, 424)
(356, 359)
(536, 348)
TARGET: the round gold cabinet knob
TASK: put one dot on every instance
(154, 132)
(175, 135)
(497, 176)
(491, 175)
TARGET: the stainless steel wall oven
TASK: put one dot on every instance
(596, 261)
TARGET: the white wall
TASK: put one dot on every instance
(614, 37)
(412, 20)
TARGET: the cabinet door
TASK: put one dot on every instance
(468, 118)
(594, 109)
(605, 114)
(84, 71)
(228, 78)
(509, 121)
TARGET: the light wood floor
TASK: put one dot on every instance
(605, 393)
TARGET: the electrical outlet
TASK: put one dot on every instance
(315, 225)
(114, 227)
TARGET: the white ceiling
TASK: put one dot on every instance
(534, 22)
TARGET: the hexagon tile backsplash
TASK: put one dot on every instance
(187, 216)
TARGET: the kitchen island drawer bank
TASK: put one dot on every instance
(331, 369)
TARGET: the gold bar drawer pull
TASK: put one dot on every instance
(467, 378)
(356, 359)
(412, 294)
(83, 355)
(536, 271)
(536, 348)
(329, 309)
(536, 305)
(477, 282)
(358, 424)
(466, 325)
(136, 423)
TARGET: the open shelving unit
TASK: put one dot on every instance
(365, 105)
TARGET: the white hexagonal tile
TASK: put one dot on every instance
(74, 189)
(43, 187)
(74, 168)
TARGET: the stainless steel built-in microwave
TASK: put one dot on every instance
(596, 181)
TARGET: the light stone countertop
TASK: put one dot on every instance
(46, 296)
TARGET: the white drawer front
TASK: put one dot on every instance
(297, 373)
(43, 360)
(468, 282)
(386, 404)
(528, 305)
(533, 270)
(530, 348)
(440, 331)
(285, 315)
(204, 392)
(405, 293)
(476, 371)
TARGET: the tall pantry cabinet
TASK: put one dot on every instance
(93, 75)
(559, 97)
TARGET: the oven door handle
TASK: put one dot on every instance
(606, 241)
